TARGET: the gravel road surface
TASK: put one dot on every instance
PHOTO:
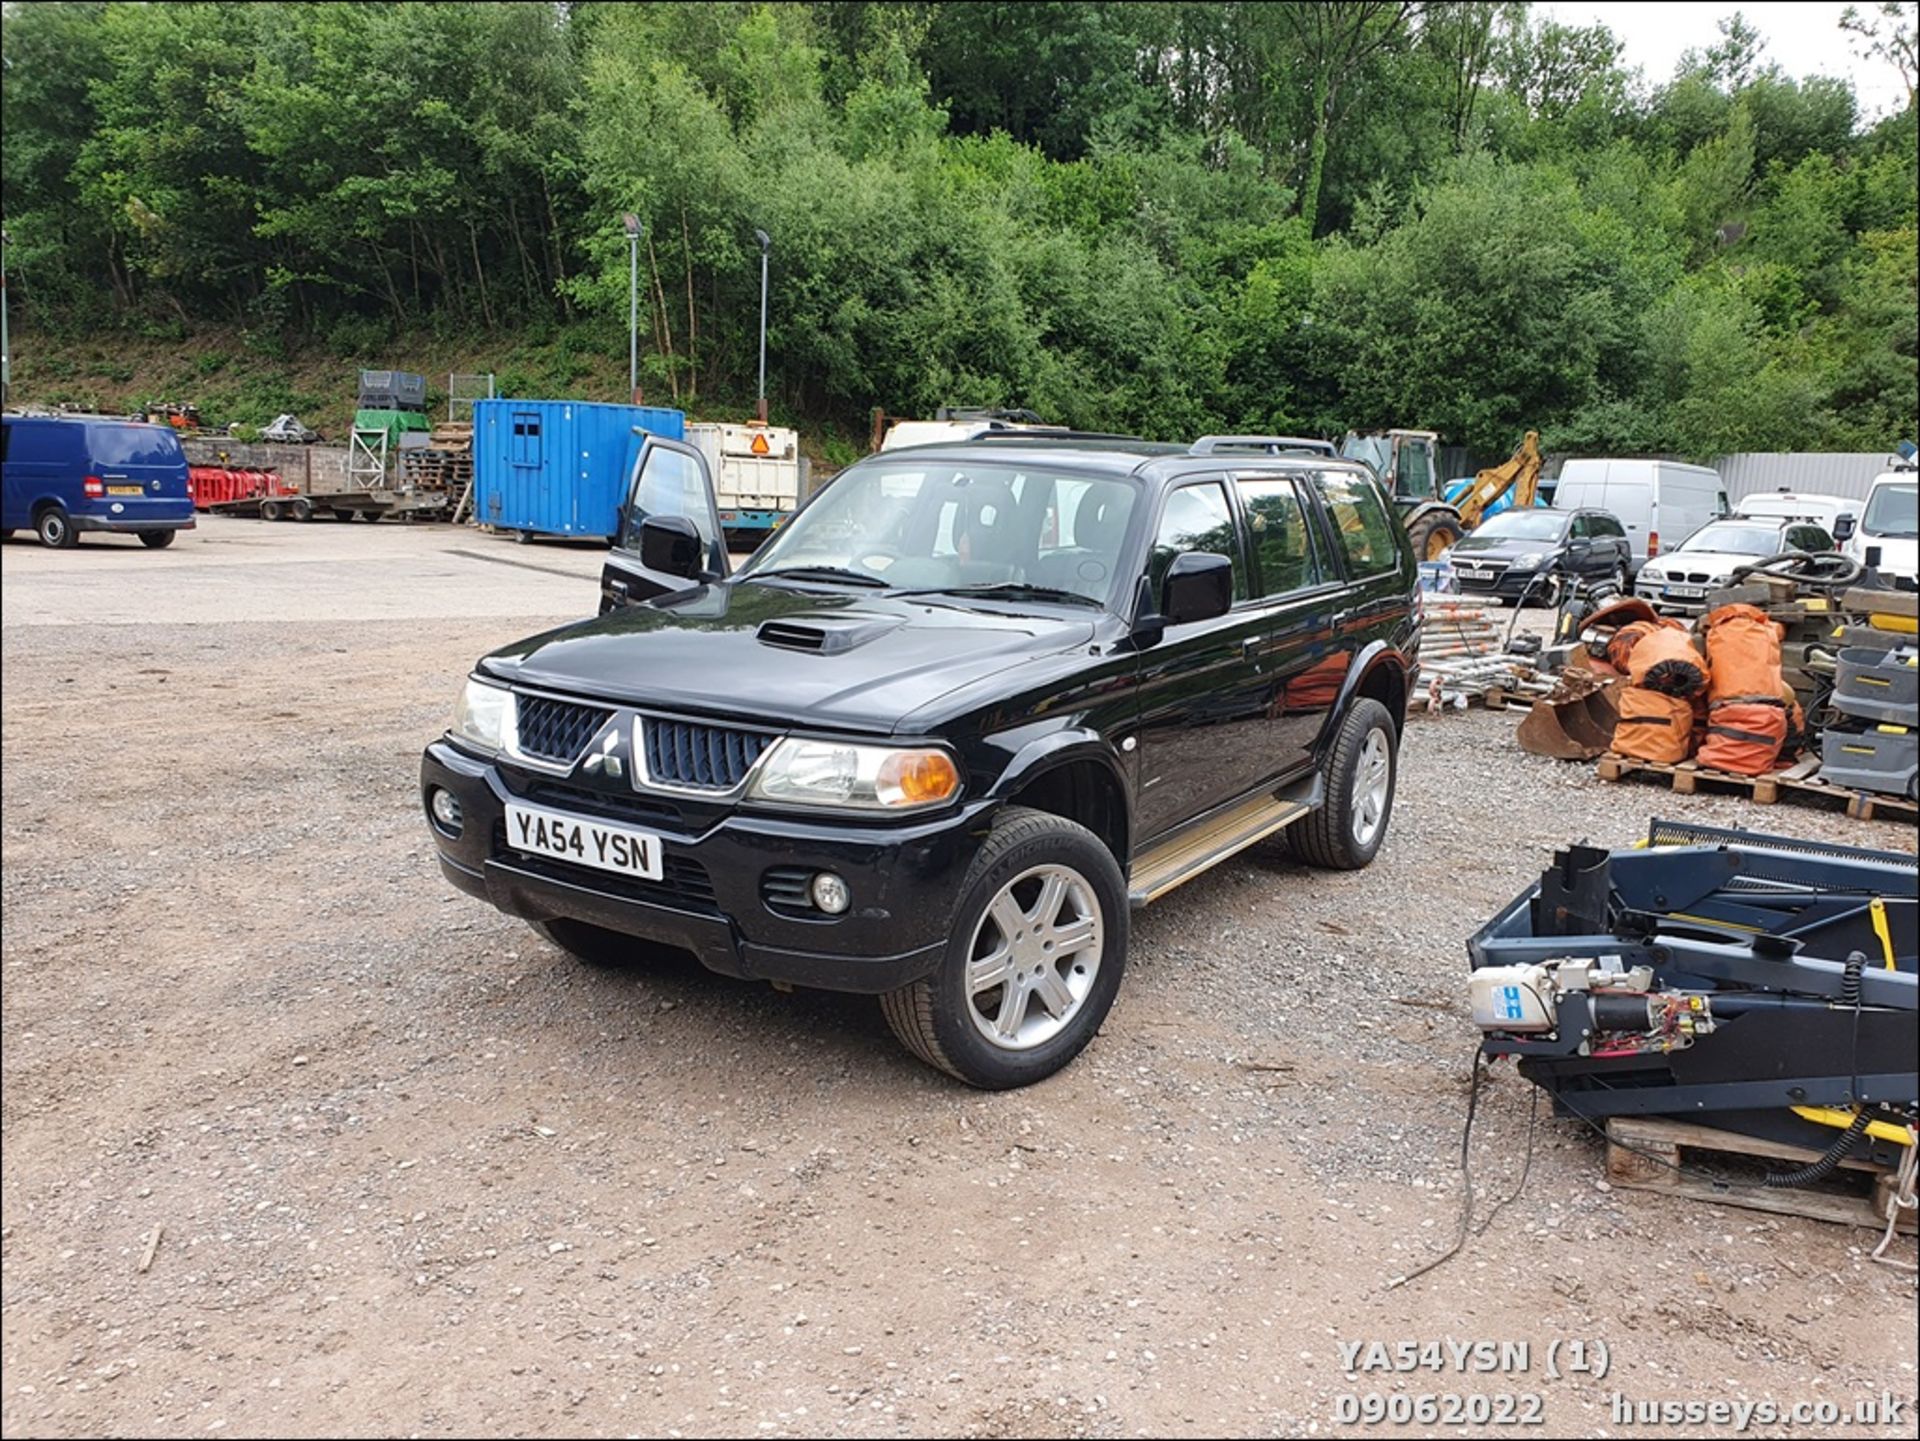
(412, 1170)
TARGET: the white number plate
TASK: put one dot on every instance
(1686, 592)
(620, 849)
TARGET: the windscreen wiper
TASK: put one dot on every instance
(1009, 590)
(817, 572)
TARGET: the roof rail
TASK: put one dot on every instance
(1270, 444)
(1050, 435)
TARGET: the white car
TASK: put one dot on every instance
(1679, 581)
(287, 430)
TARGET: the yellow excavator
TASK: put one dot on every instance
(1404, 461)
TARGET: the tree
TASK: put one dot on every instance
(1888, 34)
(1335, 38)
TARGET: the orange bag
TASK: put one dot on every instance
(1653, 726)
(1744, 649)
(1665, 660)
(1744, 736)
(1620, 645)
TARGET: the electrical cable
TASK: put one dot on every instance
(1466, 1175)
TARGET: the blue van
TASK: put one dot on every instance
(61, 475)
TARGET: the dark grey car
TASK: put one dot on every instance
(1535, 553)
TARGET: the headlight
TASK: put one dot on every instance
(1530, 561)
(873, 778)
(481, 716)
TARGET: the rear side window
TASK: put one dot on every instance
(1607, 525)
(1361, 522)
(1283, 546)
(41, 440)
(1197, 517)
(111, 445)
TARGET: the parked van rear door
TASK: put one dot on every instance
(142, 470)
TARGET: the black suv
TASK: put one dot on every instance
(971, 703)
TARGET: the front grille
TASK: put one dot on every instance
(684, 884)
(700, 757)
(624, 806)
(557, 730)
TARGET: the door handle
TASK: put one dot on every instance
(1250, 645)
(618, 590)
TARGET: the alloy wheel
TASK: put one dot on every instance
(1034, 957)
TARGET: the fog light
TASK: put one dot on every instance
(830, 893)
(446, 810)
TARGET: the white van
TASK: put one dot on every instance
(1888, 535)
(1659, 502)
(1821, 510)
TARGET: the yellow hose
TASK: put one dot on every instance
(1879, 1130)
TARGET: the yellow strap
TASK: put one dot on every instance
(1877, 909)
(1840, 1120)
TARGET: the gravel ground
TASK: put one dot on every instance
(415, 1171)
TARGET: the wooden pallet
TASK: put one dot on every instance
(1802, 779)
(1633, 1142)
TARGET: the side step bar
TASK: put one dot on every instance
(1201, 847)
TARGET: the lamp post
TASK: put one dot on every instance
(635, 229)
(6, 348)
(766, 244)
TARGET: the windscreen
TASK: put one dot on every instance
(927, 524)
(1524, 525)
(1894, 510)
(1735, 539)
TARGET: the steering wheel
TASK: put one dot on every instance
(1823, 568)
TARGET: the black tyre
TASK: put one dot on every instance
(1036, 951)
(596, 945)
(271, 510)
(157, 539)
(6, 535)
(1434, 535)
(1362, 766)
(301, 509)
(55, 529)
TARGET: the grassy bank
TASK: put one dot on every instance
(235, 375)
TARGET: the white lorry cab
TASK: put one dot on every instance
(1887, 538)
(1658, 502)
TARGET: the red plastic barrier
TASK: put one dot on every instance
(212, 485)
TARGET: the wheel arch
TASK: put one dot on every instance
(1380, 673)
(1073, 775)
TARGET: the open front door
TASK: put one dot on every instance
(670, 484)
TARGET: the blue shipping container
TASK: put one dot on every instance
(559, 467)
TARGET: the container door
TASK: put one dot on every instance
(671, 482)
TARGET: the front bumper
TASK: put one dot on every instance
(905, 880)
(124, 525)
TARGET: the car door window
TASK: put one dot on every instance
(671, 482)
(1583, 528)
(1361, 523)
(1808, 537)
(1197, 517)
(1282, 542)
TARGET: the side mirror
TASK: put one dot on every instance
(1198, 586)
(1843, 528)
(671, 545)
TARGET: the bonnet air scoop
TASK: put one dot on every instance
(826, 634)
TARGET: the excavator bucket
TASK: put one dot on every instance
(1574, 721)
